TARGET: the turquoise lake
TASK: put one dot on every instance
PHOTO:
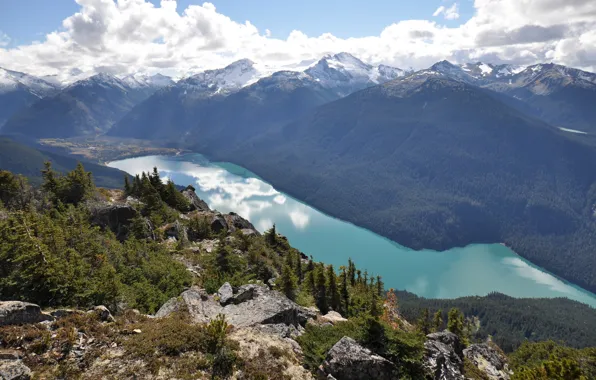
(472, 270)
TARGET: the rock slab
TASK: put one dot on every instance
(492, 362)
(347, 360)
(14, 370)
(18, 313)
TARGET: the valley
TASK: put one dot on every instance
(477, 269)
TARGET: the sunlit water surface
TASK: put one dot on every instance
(474, 270)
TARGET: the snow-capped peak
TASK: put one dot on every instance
(140, 80)
(232, 77)
(103, 80)
(10, 80)
(347, 73)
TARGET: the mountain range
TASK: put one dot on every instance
(442, 157)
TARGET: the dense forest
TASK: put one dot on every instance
(511, 321)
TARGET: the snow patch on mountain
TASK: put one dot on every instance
(11, 80)
(140, 80)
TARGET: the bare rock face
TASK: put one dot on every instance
(18, 313)
(333, 317)
(252, 305)
(444, 356)
(492, 362)
(347, 360)
(218, 223)
(176, 230)
(195, 202)
(14, 370)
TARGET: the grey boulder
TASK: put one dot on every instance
(116, 217)
(347, 360)
(225, 293)
(14, 370)
(18, 313)
(252, 305)
(444, 356)
(492, 362)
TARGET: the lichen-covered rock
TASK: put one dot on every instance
(176, 230)
(264, 306)
(225, 293)
(14, 370)
(195, 202)
(333, 317)
(492, 362)
(444, 356)
(18, 313)
(347, 360)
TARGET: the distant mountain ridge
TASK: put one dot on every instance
(87, 107)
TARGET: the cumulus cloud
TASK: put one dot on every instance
(135, 35)
(451, 13)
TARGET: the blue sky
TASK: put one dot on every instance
(346, 18)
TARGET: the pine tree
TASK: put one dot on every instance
(380, 286)
(333, 291)
(287, 283)
(424, 324)
(358, 277)
(127, 187)
(155, 180)
(50, 182)
(455, 322)
(351, 272)
(222, 258)
(344, 292)
(271, 236)
(321, 289)
(438, 321)
(298, 268)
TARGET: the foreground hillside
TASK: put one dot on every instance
(150, 283)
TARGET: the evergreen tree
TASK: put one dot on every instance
(298, 269)
(222, 258)
(321, 289)
(127, 186)
(271, 236)
(438, 321)
(50, 182)
(455, 322)
(344, 292)
(365, 278)
(351, 272)
(287, 283)
(309, 282)
(155, 180)
(380, 286)
(358, 277)
(333, 291)
(424, 324)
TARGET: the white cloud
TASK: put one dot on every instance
(451, 13)
(134, 35)
(299, 217)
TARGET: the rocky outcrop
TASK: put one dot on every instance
(444, 356)
(347, 360)
(218, 223)
(176, 230)
(195, 202)
(102, 313)
(116, 217)
(489, 360)
(236, 222)
(14, 370)
(18, 313)
(225, 293)
(251, 305)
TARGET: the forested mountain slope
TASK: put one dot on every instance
(432, 162)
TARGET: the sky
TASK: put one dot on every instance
(123, 36)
